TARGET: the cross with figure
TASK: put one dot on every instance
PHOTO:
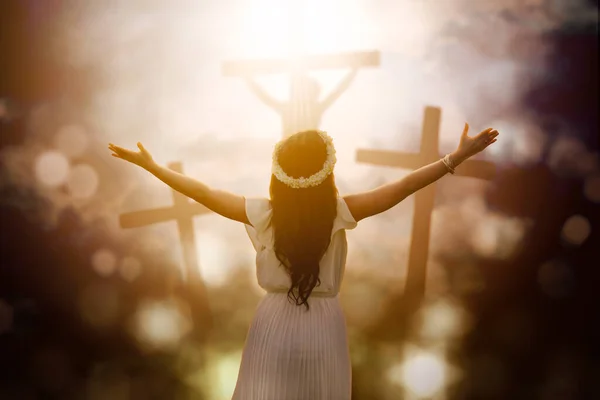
(304, 109)
(424, 198)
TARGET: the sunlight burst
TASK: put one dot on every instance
(52, 168)
(161, 324)
(424, 374)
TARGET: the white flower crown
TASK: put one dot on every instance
(313, 180)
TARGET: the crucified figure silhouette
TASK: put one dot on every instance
(304, 110)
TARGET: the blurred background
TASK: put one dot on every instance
(91, 310)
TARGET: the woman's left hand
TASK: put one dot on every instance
(143, 158)
(469, 146)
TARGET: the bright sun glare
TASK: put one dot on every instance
(279, 29)
(275, 29)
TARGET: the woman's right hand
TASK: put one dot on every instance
(143, 158)
(469, 146)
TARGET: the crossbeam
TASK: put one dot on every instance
(136, 219)
(479, 169)
(312, 62)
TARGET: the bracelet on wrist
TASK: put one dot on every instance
(451, 161)
(448, 163)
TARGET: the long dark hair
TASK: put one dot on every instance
(302, 218)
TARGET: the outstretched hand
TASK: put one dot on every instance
(469, 146)
(143, 158)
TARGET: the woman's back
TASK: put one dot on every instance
(271, 275)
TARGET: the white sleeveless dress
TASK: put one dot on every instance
(291, 353)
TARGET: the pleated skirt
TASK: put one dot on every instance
(294, 354)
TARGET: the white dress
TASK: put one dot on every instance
(291, 353)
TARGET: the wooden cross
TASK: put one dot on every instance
(424, 198)
(304, 110)
(183, 212)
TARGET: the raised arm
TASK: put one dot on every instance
(337, 92)
(264, 96)
(366, 204)
(223, 203)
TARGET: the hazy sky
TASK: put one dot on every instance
(159, 82)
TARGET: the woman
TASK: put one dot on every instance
(296, 347)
